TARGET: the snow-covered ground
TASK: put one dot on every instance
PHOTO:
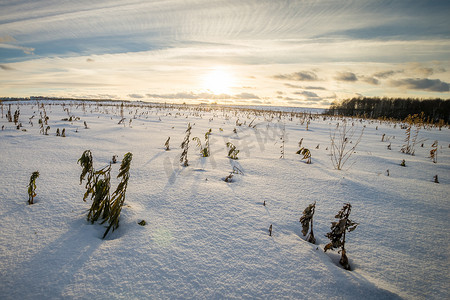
(207, 238)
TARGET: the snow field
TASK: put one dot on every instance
(206, 238)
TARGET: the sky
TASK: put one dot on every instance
(256, 52)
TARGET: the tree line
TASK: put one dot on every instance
(395, 108)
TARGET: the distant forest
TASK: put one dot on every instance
(395, 108)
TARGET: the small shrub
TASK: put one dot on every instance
(338, 231)
(307, 223)
(32, 187)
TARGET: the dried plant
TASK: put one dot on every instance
(411, 137)
(204, 151)
(232, 151)
(185, 147)
(166, 144)
(307, 223)
(306, 154)
(340, 141)
(98, 187)
(433, 152)
(282, 138)
(32, 187)
(87, 164)
(118, 197)
(101, 204)
(435, 179)
(8, 114)
(236, 170)
(338, 231)
(16, 116)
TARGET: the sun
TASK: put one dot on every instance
(218, 81)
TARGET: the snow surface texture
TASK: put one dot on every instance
(207, 238)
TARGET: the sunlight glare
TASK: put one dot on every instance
(218, 81)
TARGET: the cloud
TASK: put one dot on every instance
(7, 39)
(294, 86)
(371, 80)
(136, 96)
(346, 76)
(298, 76)
(433, 85)
(245, 96)
(307, 94)
(25, 50)
(385, 74)
(6, 68)
(174, 96)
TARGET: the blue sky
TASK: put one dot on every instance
(294, 53)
